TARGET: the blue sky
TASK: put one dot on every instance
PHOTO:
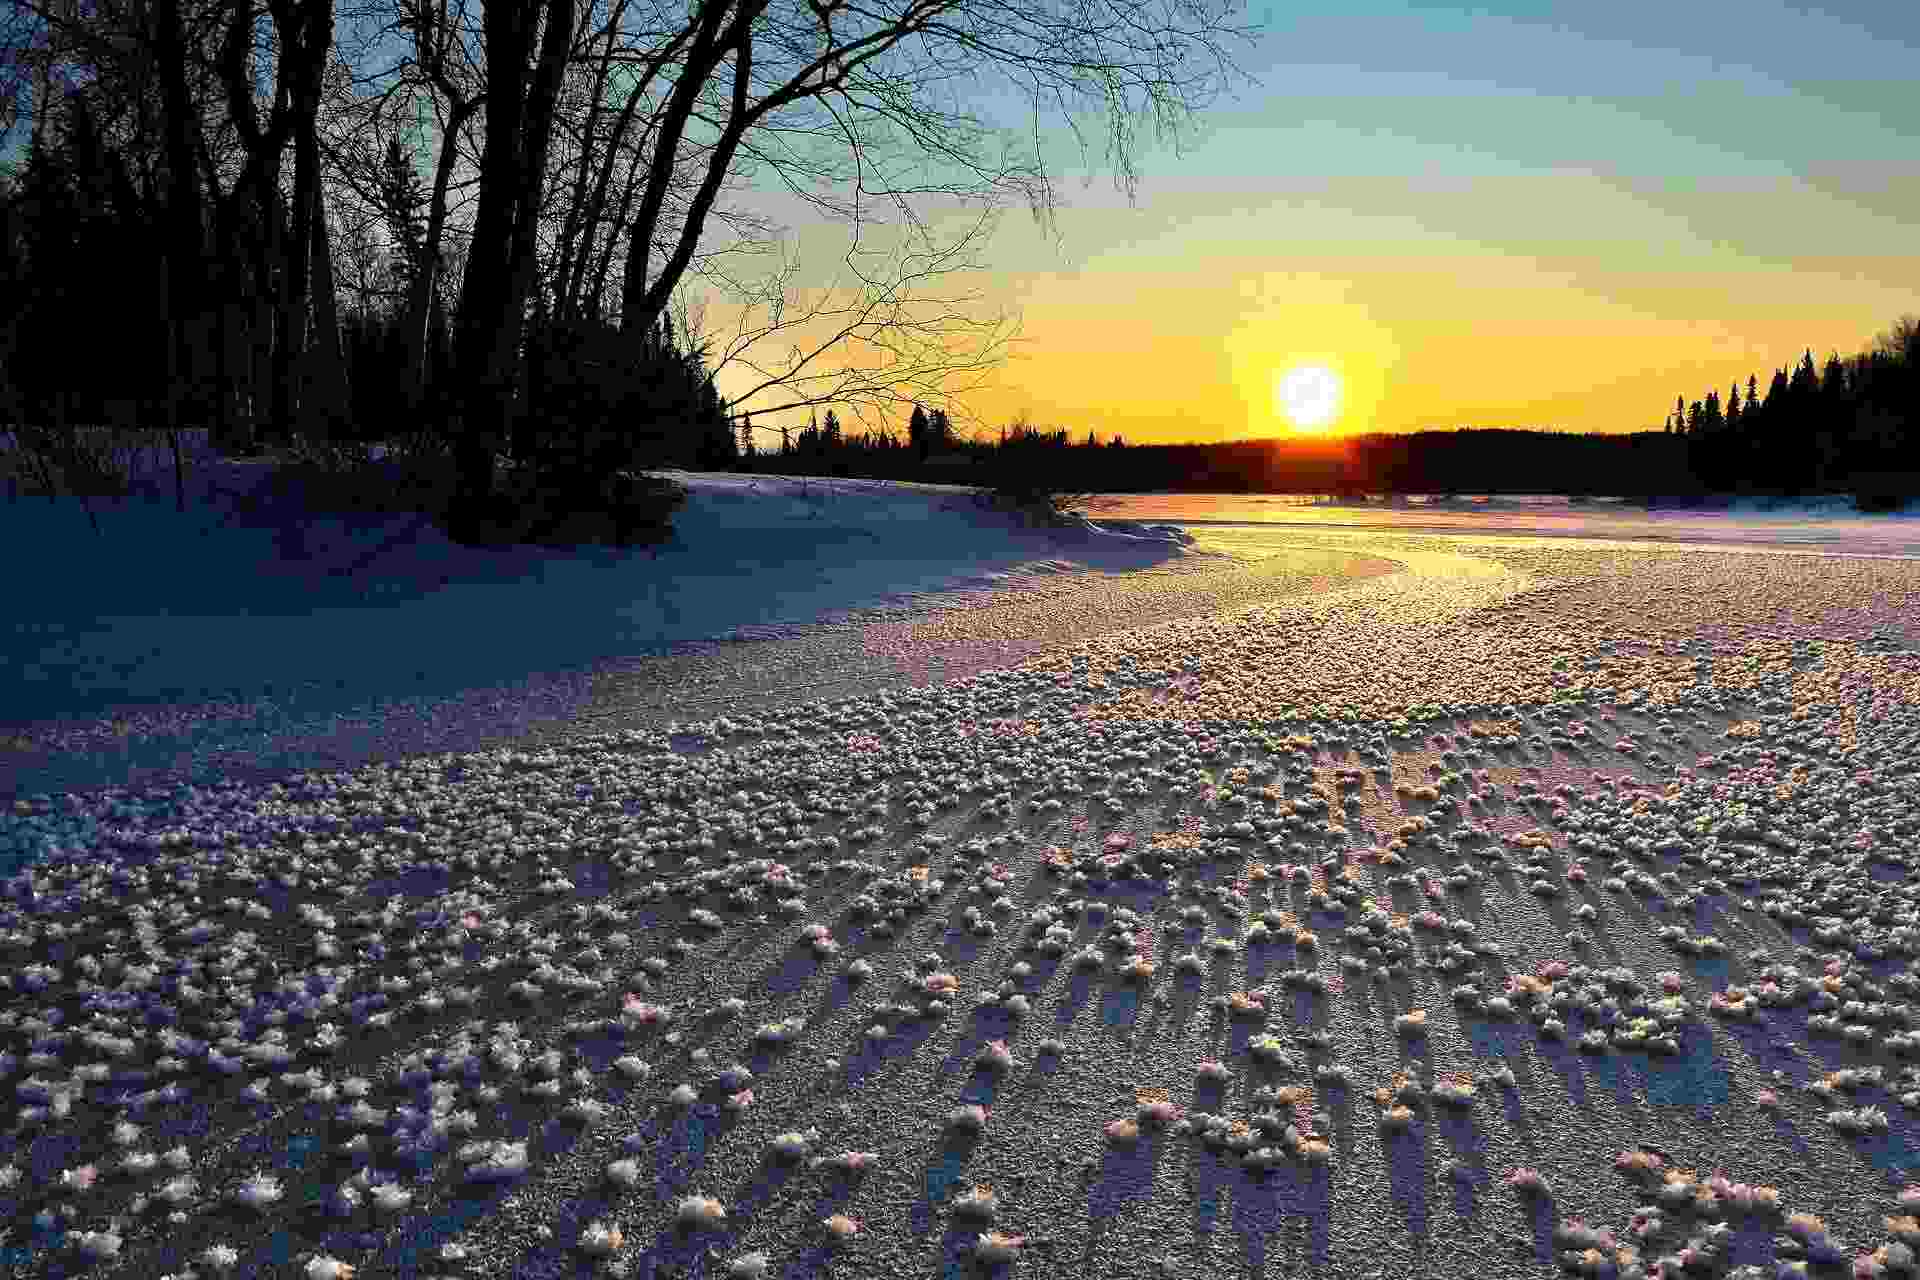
(1524, 213)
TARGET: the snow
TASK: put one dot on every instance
(252, 636)
(1820, 524)
(235, 621)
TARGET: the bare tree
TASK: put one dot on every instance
(897, 349)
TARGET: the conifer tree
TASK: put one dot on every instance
(917, 431)
(403, 208)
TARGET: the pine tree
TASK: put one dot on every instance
(939, 431)
(917, 431)
(1833, 381)
(747, 448)
(1680, 412)
(1777, 437)
(403, 207)
(1733, 407)
(1710, 416)
(830, 431)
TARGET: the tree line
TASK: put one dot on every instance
(1852, 428)
(282, 222)
(1851, 425)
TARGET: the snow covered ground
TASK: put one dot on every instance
(171, 644)
(166, 630)
(1467, 917)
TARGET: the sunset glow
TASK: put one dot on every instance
(1308, 396)
(1504, 215)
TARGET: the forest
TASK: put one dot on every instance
(233, 216)
(1853, 428)
(300, 228)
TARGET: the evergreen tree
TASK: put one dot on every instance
(1777, 440)
(939, 432)
(1833, 384)
(830, 431)
(403, 207)
(1733, 407)
(1696, 418)
(1679, 412)
(917, 431)
(748, 450)
(1777, 391)
(1710, 414)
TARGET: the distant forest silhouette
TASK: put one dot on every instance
(590, 402)
(1851, 428)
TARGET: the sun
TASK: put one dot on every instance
(1308, 394)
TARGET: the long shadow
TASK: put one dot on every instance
(940, 1180)
(1406, 1156)
(1126, 1177)
(1263, 1206)
(1212, 1177)
(1538, 1211)
(899, 1046)
(1079, 991)
(1567, 1062)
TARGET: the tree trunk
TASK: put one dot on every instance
(328, 370)
(423, 300)
(519, 126)
(182, 281)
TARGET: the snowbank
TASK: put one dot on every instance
(234, 602)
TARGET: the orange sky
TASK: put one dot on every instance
(1569, 223)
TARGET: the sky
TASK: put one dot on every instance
(1516, 214)
(1528, 213)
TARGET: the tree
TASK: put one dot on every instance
(917, 431)
(599, 151)
(873, 75)
(520, 107)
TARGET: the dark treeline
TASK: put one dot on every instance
(233, 215)
(75, 229)
(223, 335)
(1459, 461)
(1852, 425)
(1852, 429)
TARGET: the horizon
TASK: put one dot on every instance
(1400, 216)
(1395, 200)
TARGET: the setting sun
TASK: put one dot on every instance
(1309, 396)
